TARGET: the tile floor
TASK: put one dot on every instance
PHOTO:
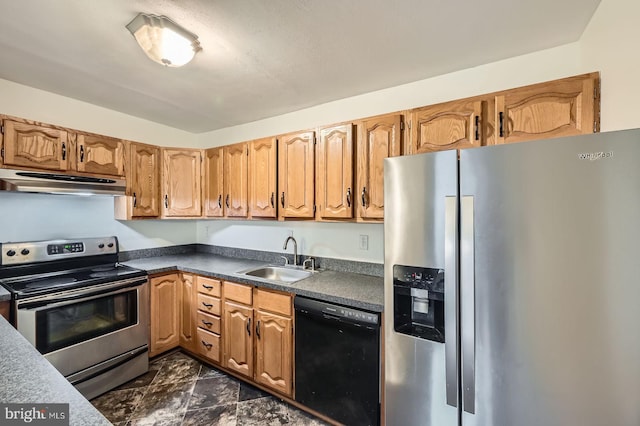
(179, 390)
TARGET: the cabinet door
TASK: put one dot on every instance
(262, 177)
(213, 182)
(379, 138)
(235, 180)
(187, 312)
(238, 339)
(39, 147)
(558, 108)
(100, 155)
(296, 175)
(274, 352)
(181, 182)
(451, 125)
(334, 176)
(164, 313)
(145, 179)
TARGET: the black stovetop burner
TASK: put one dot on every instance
(33, 285)
(29, 269)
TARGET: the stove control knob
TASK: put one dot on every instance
(24, 252)
(101, 245)
(11, 253)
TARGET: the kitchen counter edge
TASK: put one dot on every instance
(345, 288)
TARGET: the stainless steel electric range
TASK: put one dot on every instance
(86, 313)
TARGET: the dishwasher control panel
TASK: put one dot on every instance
(317, 307)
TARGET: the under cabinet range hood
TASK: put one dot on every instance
(56, 183)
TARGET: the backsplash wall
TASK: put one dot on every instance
(32, 217)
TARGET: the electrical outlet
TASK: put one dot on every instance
(364, 242)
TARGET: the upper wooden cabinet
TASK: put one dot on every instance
(144, 179)
(557, 108)
(213, 182)
(181, 179)
(235, 180)
(296, 175)
(36, 146)
(334, 175)
(100, 155)
(451, 125)
(263, 156)
(378, 138)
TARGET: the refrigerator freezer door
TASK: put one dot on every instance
(415, 191)
(555, 313)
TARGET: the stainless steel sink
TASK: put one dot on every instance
(278, 273)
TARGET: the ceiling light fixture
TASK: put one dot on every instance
(164, 41)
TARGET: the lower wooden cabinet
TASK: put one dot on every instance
(208, 309)
(274, 350)
(238, 340)
(246, 330)
(165, 321)
(258, 335)
(187, 313)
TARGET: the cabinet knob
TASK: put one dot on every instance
(348, 197)
(249, 327)
(166, 201)
(258, 329)
(282, 199)
(227, 201)
(364, 192)
(64, 151)
(273, 194)
(135, 200)
(220, 201)
(81, 153)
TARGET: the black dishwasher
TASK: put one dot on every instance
(338, 361)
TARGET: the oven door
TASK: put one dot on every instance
(79, 329)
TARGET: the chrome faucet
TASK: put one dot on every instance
(295, 249)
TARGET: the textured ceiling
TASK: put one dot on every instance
(263, 58)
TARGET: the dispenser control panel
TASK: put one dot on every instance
(423, 278)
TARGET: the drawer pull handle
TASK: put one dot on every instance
(207, 323)
(207, 345)
(64, 151)
(208, 287)
(207, 305)
(81, 153)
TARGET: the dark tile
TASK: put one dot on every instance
(216, 391)
(299, 417)
(248, 392)
(174, 419)
(164, 400)
(222, 415)
(177, 369)
(262, 411)
(207, 372)
(143, 380)
(117, 406)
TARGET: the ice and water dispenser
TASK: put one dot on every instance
(418, 302)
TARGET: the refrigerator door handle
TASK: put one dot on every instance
(451, 299)
(467, 304)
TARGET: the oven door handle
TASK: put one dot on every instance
(53, 301)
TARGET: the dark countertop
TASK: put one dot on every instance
(354, 290)
(27, 377)
(4, 294)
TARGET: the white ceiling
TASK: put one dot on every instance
(263, 58)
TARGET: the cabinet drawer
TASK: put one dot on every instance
(273, 302)
(209, 286)
(208, 304)
(238, 292)
(209, 322)
(208, 345)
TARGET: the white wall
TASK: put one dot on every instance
(609, 45)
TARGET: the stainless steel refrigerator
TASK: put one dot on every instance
(512, 284)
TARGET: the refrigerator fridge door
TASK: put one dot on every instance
(549, 297)
(416, 191)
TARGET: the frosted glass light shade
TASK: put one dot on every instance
(163, 41)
